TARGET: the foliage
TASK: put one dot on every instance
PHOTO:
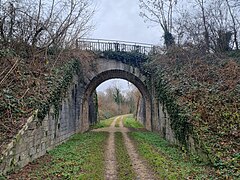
(124, 165)
(113, 102)
(118, 98)
(103, 123)
(60, 82)
(81, 157)
(234, 54)
(203, 99)
(130, 122)
(132, 58)
(26, 87)
(167, 161)
(178, 117)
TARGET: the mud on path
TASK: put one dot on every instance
(138, 164)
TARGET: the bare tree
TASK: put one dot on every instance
(160, 12)
(114, 102)
(118, 98)
(41, 24)
(212, 23)
(201, 4)
(233, 18)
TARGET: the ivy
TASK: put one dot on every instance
(62, 78)
(133, 58)
(178, 117)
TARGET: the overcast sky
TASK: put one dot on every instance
(123, 85)
(120, 20)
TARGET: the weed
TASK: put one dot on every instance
(130, 122)
(124, 166)
(2, 177)
(167, 161)
(82, 157)
(103, 123)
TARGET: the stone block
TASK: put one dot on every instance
(41, 153)
(32, 126)
(24, 155)
(45, 123)
(21, 147)
(43, 146)
(37, 141)
(38, 148)
(32, 151)
(2, 166)
(23, 162)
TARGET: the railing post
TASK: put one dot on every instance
(107, 45)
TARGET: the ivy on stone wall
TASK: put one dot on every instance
(133, 58)
(58, 83)
(178, 117)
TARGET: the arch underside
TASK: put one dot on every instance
(111, 74)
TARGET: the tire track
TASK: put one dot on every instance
(110, 157)
(138, 165)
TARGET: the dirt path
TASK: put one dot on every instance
(110, 159)
(139, 167)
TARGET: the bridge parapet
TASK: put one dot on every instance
(114, 45)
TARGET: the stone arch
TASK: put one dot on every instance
(122, 74)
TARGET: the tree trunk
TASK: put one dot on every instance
(234, 25)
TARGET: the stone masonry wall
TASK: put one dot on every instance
(39, 136)
(162, 123)
(140, 111)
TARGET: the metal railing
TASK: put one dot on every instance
(113, 45)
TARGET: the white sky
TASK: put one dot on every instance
(120, 20)
(124, 85)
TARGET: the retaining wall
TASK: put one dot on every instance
(39, 136)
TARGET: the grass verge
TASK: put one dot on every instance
(118, 122)
(103, 123)
(82, 157)
(124, 166)
(166, 161)
(130, 122)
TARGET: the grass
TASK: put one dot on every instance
(124, 166)
(167, 161)
(118, 122)
(82, 157)
(130, 122)
(103, 123)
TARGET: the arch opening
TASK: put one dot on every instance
(121, 74)
(117, 97)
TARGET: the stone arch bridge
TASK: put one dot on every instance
(75, 109)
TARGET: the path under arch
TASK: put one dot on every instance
(139, 166)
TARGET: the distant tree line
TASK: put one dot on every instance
(212, 26)
(114, 102)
